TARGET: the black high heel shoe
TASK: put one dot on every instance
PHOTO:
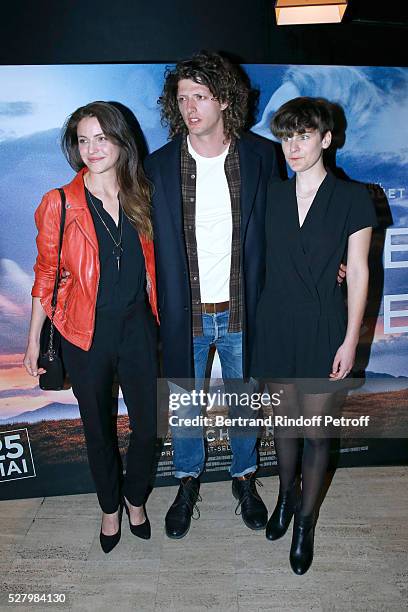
(108, 542)
(282, 515)
(301, 550)
(140, 531)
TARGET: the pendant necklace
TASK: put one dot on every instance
(117, 249)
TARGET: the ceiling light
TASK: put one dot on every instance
(290, 12)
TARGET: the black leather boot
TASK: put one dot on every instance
(301, 550)
(253, 510)
(284, 510)
(178, 517)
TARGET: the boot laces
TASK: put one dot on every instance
(250, 491)
(191, 498)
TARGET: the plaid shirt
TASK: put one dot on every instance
(188, 189)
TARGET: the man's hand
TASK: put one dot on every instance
(341, 274)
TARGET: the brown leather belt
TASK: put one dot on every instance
(213, 308)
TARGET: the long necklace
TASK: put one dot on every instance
(117, 249)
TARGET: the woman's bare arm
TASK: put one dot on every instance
(38, 317)
(357, 287)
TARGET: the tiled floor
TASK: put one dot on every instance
(51, 545)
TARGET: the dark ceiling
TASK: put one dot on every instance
(85, 31)
(381, 13)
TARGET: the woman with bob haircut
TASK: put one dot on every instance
(302, 328)
(103, 313)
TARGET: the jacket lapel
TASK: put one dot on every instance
(300, 256)
(77, 208)
(250, 167)
(171, 179)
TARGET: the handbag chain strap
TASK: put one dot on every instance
(57, 274)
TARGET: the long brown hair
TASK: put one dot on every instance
(134, 188)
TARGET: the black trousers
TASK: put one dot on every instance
(125, 345)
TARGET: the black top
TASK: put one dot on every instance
(119, 288)
(301, 315)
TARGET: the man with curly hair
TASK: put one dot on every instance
(208, 218)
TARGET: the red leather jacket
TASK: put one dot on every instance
(75, 311)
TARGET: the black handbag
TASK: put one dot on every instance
(50, 339)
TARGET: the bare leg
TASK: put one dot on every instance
(137, 513)
(110, 523)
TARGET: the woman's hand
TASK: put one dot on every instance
(341, 274)
(30, 360)
(343, 361)
(357, 284)
(64, 276)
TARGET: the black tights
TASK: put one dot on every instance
(316, 447)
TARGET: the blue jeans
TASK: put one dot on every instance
(188, 447)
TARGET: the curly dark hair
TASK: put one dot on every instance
(225, 81)
(134, 188)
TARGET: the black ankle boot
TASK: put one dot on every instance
(282, 515)
(178, 517)
(253, 510)
(301, 551)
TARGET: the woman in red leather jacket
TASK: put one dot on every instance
(102, 312)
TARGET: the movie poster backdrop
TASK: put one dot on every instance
(42, 449)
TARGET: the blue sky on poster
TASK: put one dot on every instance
(53, 92)
(37, 98)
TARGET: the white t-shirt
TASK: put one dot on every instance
(213, 226)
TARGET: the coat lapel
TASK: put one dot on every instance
(250, 167)
(170, 173)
